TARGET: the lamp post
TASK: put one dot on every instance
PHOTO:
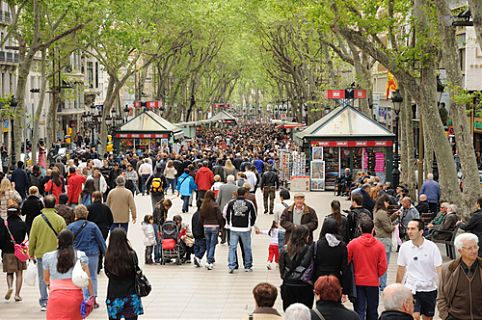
(397, 100)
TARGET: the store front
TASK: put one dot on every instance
(346, 138)
(146, 133)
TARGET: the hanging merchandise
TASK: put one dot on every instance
(299, 164)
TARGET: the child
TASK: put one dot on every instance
(217, 183)
(273, 252)
(187, 240)
(150, 239)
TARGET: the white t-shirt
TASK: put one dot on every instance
(251, 177)
(420, 265)
(278, 210)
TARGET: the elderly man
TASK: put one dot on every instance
(398, 303)
(406, 214)
(460, 293)
(431, 188)
(121, 203)
(298, 213)
(422, 206)
(443, 231)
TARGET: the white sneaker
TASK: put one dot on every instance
(209, 266)
(197, 262)
(43, 308)
(268, 266)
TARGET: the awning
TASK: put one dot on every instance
(290, 125)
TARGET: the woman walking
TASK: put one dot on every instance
(229, 169)
(65, 298)
(16, 231)
(340, 220)
(212, 220)
(88, 239)
(170, 173)
(185, 188)
(122, 299)
(55, 185)
(7, 192)
(383, 229)
(86, 194)
(294, 262)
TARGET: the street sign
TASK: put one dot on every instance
(335, 94)
(360, 94)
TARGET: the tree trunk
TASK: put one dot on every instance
(20, 111)
(38, 112)
(463, 133)
(410, 145)
(476, 12)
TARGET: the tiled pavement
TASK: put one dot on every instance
(185, 292)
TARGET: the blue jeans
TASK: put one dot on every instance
(199, 247)
(387, 243)
(44, 296)
(281, 239)
(93, 264)
(144, 178)
(172, 183)
(124, 226)
(366, 304)
(185, 203)
(245, 236)
(211, 234)
(157, 247)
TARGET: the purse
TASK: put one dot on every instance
(79, 276)
(20, 250)
(142, 285)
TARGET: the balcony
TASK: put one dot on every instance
(5, 17)
(8, 57)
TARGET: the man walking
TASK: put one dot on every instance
(431, 189)
(269, 185)
(121, 203)
(419, 260)
(20, 179)
(74, 183)
(460, 280)
(42, 239)
(297, 214)
(145, 171)
(204, 180)
(225, 195)
(240, 216)
(370, 263)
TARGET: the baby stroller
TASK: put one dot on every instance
(171, 243)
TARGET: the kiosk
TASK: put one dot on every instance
(346, 138)
(192, 127)
(147, 132)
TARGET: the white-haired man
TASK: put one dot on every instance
(398, 303)
(460, 293)
(431, 189)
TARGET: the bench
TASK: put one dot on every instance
(449, 244)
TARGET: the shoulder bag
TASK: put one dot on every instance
(318, 314)
(49, 224)
(142, 285)
(20, 249)
(79, 276)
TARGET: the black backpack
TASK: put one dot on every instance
(353, 222)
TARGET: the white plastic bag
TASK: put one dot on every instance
(79, 276)
(31, 274)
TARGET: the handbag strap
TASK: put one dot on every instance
(318, 314)
(136, 262)
(50, 225)
(8, 229)
(80, 229)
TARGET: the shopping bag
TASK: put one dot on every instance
(31, 274)
(79, 276)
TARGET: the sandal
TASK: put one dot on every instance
(8, 294)
(18, 298)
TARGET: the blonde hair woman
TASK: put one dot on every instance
(7, 192)
(229, 168)
(170, 173)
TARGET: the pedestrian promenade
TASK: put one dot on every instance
(185, 292)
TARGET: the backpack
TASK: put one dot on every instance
(353, 222)
(157, 186)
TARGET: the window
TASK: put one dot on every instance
(90, 74)
(462, 60)
(96, 75)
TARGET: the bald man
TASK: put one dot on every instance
(398, 303)
(423, 205)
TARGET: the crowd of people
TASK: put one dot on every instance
(69, 210)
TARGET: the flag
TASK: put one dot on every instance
(391, 84)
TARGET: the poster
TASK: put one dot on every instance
(317, 176)
(317, 153)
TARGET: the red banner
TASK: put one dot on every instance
(221, 105)
(335, 94)
(353, 144)
(137, 104)
(360, 94)
(141, 136)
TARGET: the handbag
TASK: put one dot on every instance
(20, 249)
(31, 274)
(86, 307)
(79, 276)
(188, 241)
(142, 285)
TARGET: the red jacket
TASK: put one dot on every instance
(55, 190)
(369, 260)
(74, 189)
(204, 178)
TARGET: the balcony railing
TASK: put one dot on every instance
(10, 57)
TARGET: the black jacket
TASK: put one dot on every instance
(30, 209)
(269, 179)
(196, 226)
(333, 311)
(422, 207)
(17, 228)
(474, 225)
(159, 214)
(332, 261)
(395, 315)
(300, 269)
(241, 213)
(101, 215)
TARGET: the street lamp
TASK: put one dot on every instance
(397, 100)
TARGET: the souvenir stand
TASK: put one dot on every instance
(148, 132)
(346, 138)
(191, 128)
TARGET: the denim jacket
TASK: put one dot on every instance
(89, 240)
